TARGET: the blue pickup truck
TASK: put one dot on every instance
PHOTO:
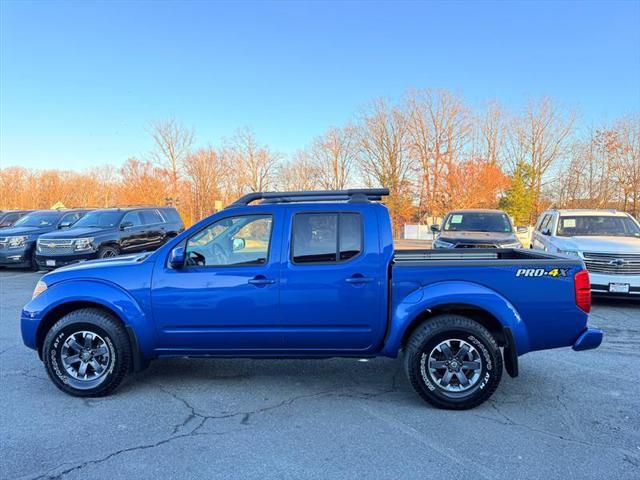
(309, 275)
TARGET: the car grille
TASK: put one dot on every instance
(476, 245)
(55, 247)
(613, 263)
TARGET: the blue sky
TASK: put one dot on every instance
(80, 82)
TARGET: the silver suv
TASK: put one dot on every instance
(607, 240)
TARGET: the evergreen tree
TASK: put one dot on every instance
(519, 200)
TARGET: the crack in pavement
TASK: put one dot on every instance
(204, 418)
(510, 422)
(50, 474)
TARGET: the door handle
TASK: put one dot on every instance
(261, 281)
(359, 279)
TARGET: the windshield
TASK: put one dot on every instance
(478, 222)
(99, 219)
(597, 225)
(38, 219)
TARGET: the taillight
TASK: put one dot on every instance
(582, 284)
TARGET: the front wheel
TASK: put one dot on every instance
(453, 362)
(87, 353)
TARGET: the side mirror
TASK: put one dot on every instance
(125, 225)
(522, 229)
(177, 257)
(546, 232)
(64, 225)
(435, 228)
(238, 244)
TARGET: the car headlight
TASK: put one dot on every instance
(83, 243)
(442, 244)
(511, 245)
(568, 253)
(15, 242)
(40, 287)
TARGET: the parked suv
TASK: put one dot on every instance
(108, 233)
(476, 229)
(9, 217)
(18, 243)
(607, 240)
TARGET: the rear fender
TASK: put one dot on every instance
(406, 311)
(98, 292)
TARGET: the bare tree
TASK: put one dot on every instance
(334, 154)
(206, 174)
(300, 173)
(539, 138)
(438, 126)
(383, 157)
(172, 144)
(254, 164)
(492, 134)
(627, 169)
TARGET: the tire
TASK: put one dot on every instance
(105, 334)
(33, 264)
(436, 371)
(108, 251)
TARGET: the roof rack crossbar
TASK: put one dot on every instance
(351, 195)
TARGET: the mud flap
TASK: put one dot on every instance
(510, 353)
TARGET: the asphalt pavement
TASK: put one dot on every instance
(568, 415)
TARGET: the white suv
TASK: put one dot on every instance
(607, 240)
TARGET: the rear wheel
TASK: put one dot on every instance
(87, 353)
(453, 362)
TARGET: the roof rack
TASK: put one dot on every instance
(353, 195)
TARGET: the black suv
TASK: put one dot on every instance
(108, 233)
(9, 217)
(18, 242)
(478, 228)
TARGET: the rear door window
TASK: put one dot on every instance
(326, 237)
(150, 217)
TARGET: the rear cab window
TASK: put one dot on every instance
(325, 237)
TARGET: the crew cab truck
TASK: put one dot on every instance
(309, 275)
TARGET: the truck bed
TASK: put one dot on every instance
(539, 286)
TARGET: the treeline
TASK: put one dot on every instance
(431, 149)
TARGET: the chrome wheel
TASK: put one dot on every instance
(109, 254)
(85, 356)
(454, 365)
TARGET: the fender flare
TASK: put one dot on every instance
(459, 293)
(103, 293)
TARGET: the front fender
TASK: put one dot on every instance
(460, 293)
(100, 292)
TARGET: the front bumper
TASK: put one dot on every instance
(589, 339)
(55, 261)
(600, 284)
(15, 257)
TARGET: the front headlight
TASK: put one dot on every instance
(568, 253)
(83, 243)
(40, 287)
(511, 245)
(442, 244)
(15, 242)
